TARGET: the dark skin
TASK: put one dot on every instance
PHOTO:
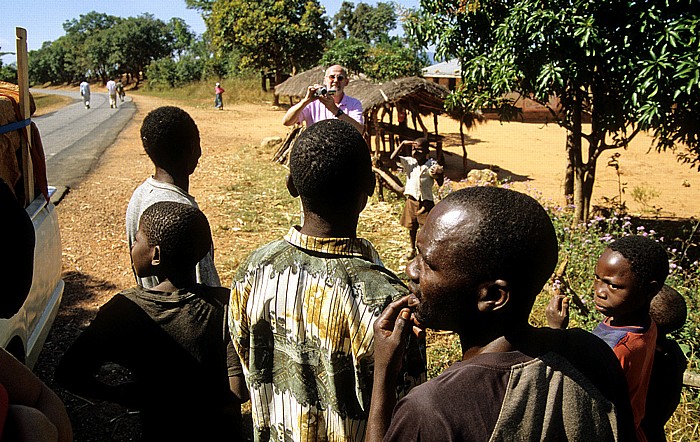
(446, 296)
(619, 294)
(147, 261)
(343, 221)
(179, 175)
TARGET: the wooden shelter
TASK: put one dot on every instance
(403, 99)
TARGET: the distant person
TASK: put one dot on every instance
(171, 140)
(629, 273)
(112, 91)
(172, 338)
(669, 311)
(421, 173)
(327, 101)
(302, 307)
(483, 256)
(219, 96)
(85, 93)
(120, 90)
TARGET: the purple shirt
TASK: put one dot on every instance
(316, 111)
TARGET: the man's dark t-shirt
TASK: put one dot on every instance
(577, 392)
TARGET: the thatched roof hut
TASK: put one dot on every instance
(297, 85)
(398, 97)
(413, 92)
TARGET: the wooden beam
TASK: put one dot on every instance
(25, 112)
(691, 379)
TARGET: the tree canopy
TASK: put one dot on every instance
(98, 45)
(364, 22)
(626, 66)
(284, 35)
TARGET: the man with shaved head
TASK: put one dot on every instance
(326, 101)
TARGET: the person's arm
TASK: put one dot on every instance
(437, 172)
(333, 108)
(557, 312)
(390, 332)
(399, 148)
(292, 115)
(26, 390)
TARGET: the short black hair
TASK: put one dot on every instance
(648, 259)
(330, 164)
(668, 310)
(182, 232)
(513, 239)
(168, 134)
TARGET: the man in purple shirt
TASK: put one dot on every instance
(334, 103)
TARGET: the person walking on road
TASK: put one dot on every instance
(112, 90)
(120, 90)
(85, 93)
(218, 97)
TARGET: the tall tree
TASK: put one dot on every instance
(282, 35)
(370, 24)
(139, 40)
(627, 66)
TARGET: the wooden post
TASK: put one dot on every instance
(25, 111)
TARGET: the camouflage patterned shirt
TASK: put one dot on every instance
(301, 318)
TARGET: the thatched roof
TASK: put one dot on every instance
(422, 94)
(411, 92)
(297, 85)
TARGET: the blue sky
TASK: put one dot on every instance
(44, 19)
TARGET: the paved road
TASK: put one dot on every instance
(74, 138)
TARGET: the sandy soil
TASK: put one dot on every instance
(95, 256)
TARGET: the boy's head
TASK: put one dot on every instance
(331, 169)
(668, 310)
(173, 235)
(482, 250)
(628, 274)
(420, 149)
(171, 140)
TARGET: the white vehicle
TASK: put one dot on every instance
(23, 333)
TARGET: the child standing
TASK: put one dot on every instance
(669, 312)
(421, 173)
(171, 140)
(302, 307)
(218, 96)
(172, 338)
(629, 273)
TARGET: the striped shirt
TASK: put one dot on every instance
(301, 318)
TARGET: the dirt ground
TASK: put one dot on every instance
(95, 256)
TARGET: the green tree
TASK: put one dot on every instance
(137, 41)
(351, 53)
(279, 35)
(8, 72)
(370, 24)
(627, 66)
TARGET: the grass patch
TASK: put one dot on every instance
(46, 103)
(201, 94)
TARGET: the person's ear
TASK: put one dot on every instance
(653, 288)
(291, 187)
(370, 184)
(155, 256)
(493, 295)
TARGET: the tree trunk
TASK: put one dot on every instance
(278, 80)
(573, 145)
(569, 174)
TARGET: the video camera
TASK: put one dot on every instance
(323, 90)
